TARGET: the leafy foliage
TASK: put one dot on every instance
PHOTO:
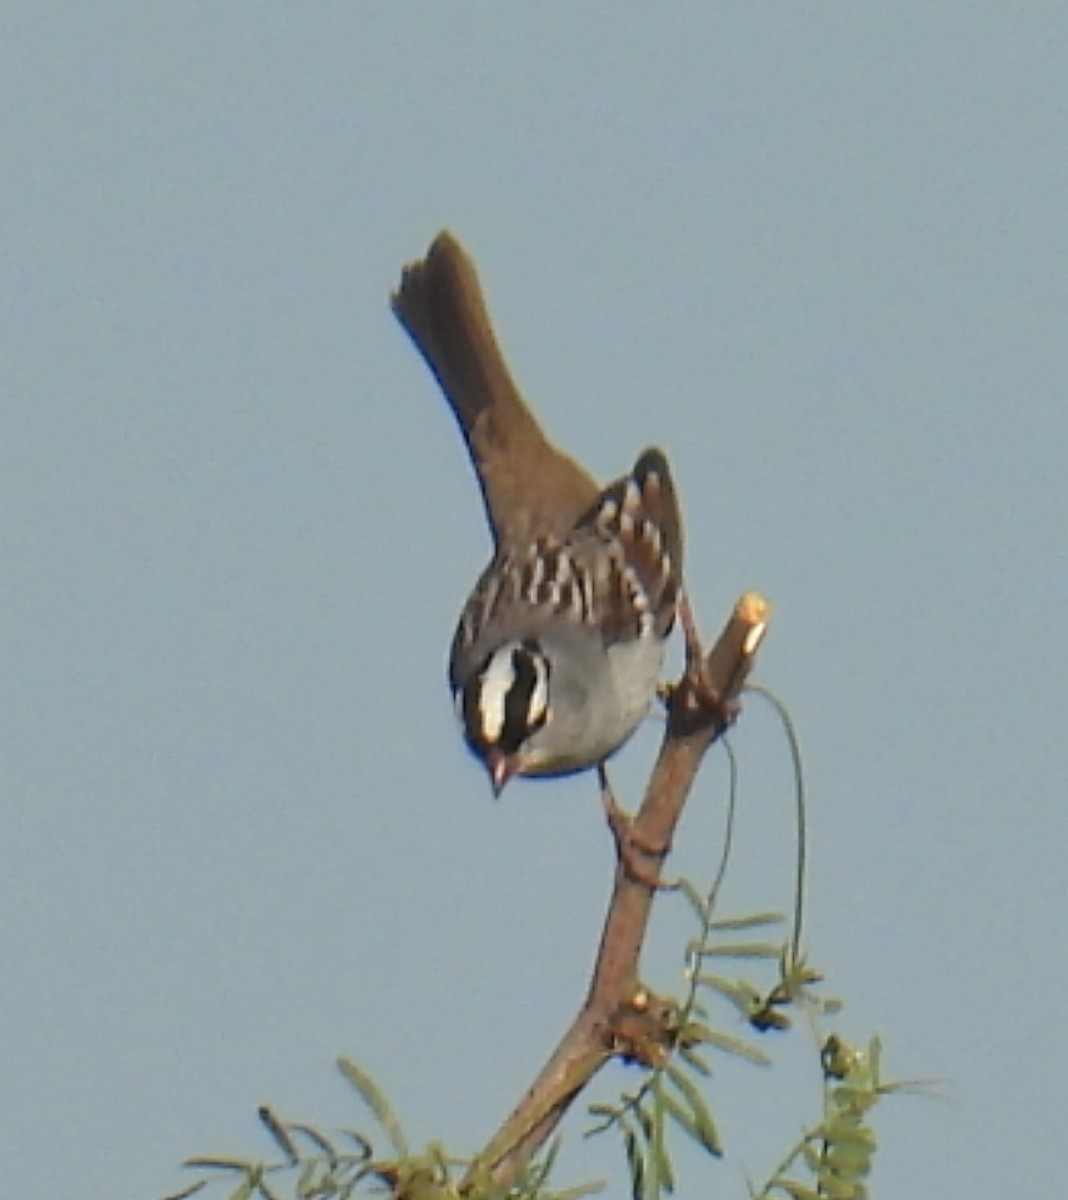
(343, 1166)
(836, 1156)
(670, 1096)
(673, 1041)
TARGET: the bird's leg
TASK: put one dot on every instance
(628, 845)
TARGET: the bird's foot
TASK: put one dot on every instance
(631, 850)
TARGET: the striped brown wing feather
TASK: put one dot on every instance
(637, 520)
(619, 570)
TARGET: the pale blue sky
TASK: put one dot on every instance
(817, 252)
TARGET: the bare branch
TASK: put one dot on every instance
(615, 1018)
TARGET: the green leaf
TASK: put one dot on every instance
(860, 1139)
(741, 994)
(813, 1156)
(694, 1060)
(247, 1188)
(645, 1122)
(635, 1160)
(192, 1190)
(851, 1099)
(841, 1189)
(749, 922)
(875, 1055)
(733, 1045)
(743, 950)
(796, 1191)
(609, 1113)
(265, 1192)
(278, 1132)
(696, 900)
(851, 1162)
(219, 1164)
(322, 1144)
(664, 1170)
(578, 1192)
(376, 1102)
(691, 1094)
(684, 1118)
(549, 1157)
(311, 1179)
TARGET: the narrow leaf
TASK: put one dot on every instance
(752, 921)
(695, 899)
(646, 1123)
(245, 1190)
(693, 1059)
(742, 995)
(796, 1191)
(665, 1172)
(691, 1094)
(733, 1045)
(609, 1114)
(265, 1192)
(538, 1171)
(635, 1160)
(189, 1191)
(875, 1054)
(684, 1118)
(218, 1164)
(579, 1191)
(376, 1102)
(813, 1157)
(277, 1131)
(743, 950)
(314, 1178)
(363, 1146)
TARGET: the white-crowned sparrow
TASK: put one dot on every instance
(558, 652)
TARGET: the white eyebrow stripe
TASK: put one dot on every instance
(496, 683)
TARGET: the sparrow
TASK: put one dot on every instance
(558, 652)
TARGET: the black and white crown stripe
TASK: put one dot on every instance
(510, 701)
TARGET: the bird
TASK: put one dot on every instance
(558, 651)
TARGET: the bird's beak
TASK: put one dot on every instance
(501, 768)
